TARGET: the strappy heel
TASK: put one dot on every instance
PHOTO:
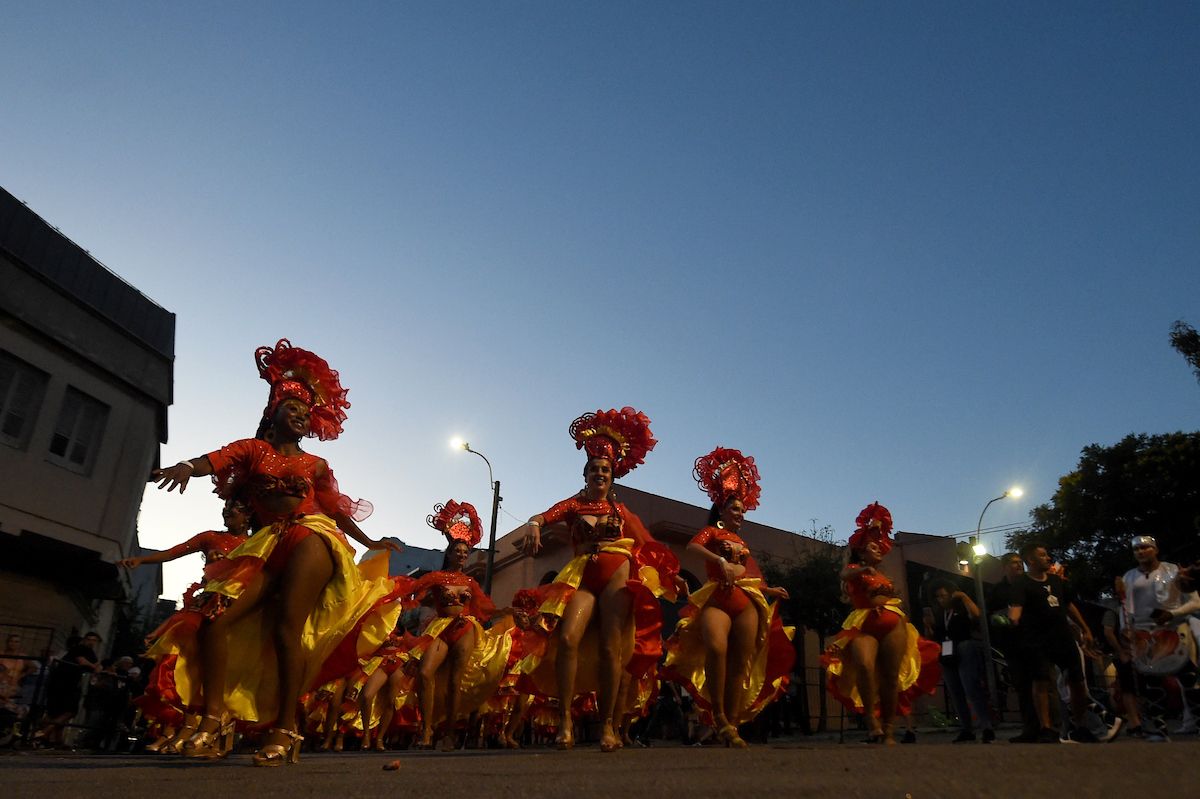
(565, 738)
(279, 754)
(729, 736)
(211, 744)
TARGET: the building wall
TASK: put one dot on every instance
(64, 525)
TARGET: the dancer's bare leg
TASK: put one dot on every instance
(574, 623)
(309, 569)
(614, 605)
(214, 649)
(431, 663)
(891, 652)
(742, 637)
(460, 655)
(714, 632)
(863, 650)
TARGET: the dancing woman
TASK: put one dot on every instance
(878, 662)
(610, 588)
(299, 567)
(458, 664)
(730, 649)
(160, 703)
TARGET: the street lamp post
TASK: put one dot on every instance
(458, 443)
(980, 550)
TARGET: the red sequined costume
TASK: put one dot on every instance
(877, 611)
(160, 701)
(462, 608)
(725, 475)
(358, 606)
(616, 537)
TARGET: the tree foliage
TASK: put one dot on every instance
(1186, 342)
(815, 593)
(1142, 485)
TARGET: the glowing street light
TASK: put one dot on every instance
(980, 550)
(459, 443)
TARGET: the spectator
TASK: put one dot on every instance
(963, 660)
(1041, 606)
(1153, 604)
(1122, 662)
(1004, 638)
(64, 687)
(14, 665)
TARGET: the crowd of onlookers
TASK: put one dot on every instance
(79, 698)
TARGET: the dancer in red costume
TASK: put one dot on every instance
(612, 585)
(878, 662)
(730, 649)
(299, 566)
(159, 703)
(455, 657)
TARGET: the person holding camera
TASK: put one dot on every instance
(963, 660)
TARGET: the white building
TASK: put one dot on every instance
(85, 382)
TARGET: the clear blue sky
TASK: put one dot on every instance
(905, 252)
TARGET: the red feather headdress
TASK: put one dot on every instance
(874, 523)
(726, 473)
(295, 373)
(458, 521)
(623, 437)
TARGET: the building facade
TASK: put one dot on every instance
(85, 382)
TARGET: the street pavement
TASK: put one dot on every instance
(793, 767)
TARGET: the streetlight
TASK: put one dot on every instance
(458, 443)
(980, 550)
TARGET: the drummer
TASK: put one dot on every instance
(1155, 607)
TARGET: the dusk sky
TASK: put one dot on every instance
(906, 252)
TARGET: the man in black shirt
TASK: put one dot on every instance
(1040, 606)
(962, 660)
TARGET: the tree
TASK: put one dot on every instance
(1186, 342)
(1142, 485)
(815, 600)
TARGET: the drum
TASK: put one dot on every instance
(1163, 651)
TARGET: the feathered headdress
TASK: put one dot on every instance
(724, 474)
(874, 523)
(458, 521)
(623, 437)
(299, 374)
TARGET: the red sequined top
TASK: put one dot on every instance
(729, 546)
(215, 546)
(461, 586)
(573, 509)
(252, 469)
(864, 588)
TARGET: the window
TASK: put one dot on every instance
(22, 388)
(78, 431)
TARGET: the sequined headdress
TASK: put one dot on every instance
(724, 474)
(874, 523)
(299, 374)
(458, 521)
(623, 437)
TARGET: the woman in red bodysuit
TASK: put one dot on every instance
(160, 702)
(730, 649)
(300, 564)
(878, 662)
(615, 579)
(455, 660)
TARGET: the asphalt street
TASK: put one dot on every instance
(799, 767)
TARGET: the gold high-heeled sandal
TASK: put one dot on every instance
(279, 754)
(211, 744)
(174, 746)
(729, 735)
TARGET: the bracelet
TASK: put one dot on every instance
(191, 466)
(532, 523)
